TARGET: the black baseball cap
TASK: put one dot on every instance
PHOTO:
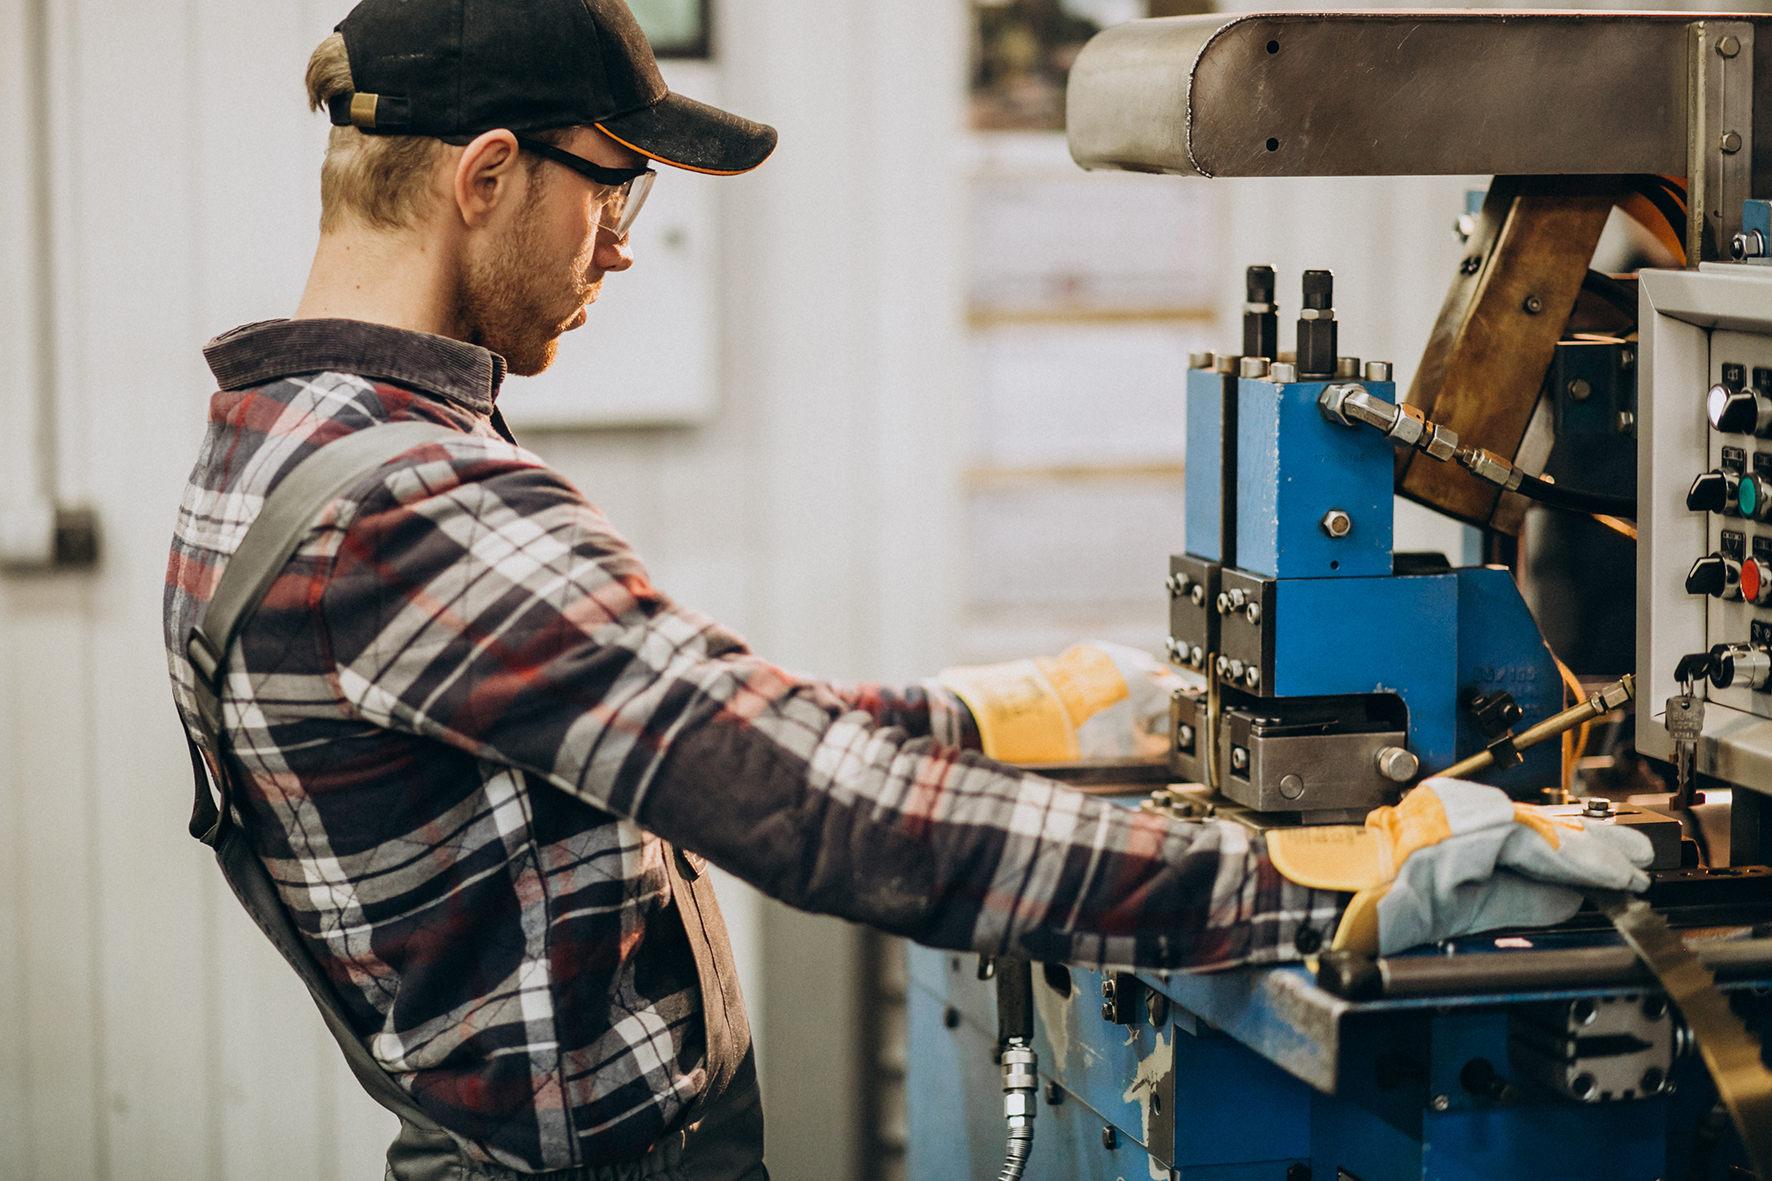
(454, 69)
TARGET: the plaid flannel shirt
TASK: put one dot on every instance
(465, 723)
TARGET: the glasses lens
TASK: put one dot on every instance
(624, 207)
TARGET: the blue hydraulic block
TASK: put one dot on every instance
(1374, 635)
(1499, 647)
(1293, 469)
(1204, 477)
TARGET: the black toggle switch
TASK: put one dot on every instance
(1738, 412)
(1714, 575)
(1714, 492)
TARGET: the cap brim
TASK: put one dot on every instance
(1327, 857)
(687, 134)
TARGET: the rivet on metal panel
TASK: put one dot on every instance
(1533, 305)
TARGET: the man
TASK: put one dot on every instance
(466, 724)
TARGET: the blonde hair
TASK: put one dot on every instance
(383, 179)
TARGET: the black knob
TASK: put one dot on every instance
(1734, 412)
(1712, 575)
(1258, 284)
(1712, 492)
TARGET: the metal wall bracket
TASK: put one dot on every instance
(1720, 140)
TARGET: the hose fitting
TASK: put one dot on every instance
(1021, 1082)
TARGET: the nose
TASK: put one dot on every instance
(612, 253)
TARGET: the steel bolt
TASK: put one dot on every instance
(1627, 422)
(1728, 45)
(1239, 758)
(1184, 736)
(1252, 613)
(1442, 1103)
(1729, 142)
(1291, 786)
(1235, 670)
(1175, 650)
(1196, 657)
(1252, 677)
(1397, 765)
(1198, 594)
(1533, 305)
(1598, 806)
(1177, 584)
(1579, 389)
(1337, 524)
(1222, 665)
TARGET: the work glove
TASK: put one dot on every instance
(1098, 700)
(1454, 858)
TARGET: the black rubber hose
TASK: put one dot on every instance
(1612, 291)
(1570, 500)
(1015, 1157)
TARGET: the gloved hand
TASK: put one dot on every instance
(1094, 701)
(1457, 857)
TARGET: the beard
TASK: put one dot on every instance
(514, 305)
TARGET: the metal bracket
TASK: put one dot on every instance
(1719, 140)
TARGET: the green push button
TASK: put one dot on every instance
(1747, 496)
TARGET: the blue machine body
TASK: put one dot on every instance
(1245, 1075)
(1257, 1074)
(1292, 468)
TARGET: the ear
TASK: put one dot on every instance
(487, 175)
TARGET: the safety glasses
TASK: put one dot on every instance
(630, 185)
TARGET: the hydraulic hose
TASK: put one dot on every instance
(1598, 504)
(1021, 1068)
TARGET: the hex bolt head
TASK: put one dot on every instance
(1579, 389)
(1337, 524)
(1728, 45)
(1729, 142)
(1533, 305)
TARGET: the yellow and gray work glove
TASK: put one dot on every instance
(1455, 858)
(1098, 700)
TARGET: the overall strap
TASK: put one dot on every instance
(284, 520)
(426, 1151)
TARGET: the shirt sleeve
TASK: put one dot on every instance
(481, 602)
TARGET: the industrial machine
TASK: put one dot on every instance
(1624, 1044)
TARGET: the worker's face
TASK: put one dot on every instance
(535, 277)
